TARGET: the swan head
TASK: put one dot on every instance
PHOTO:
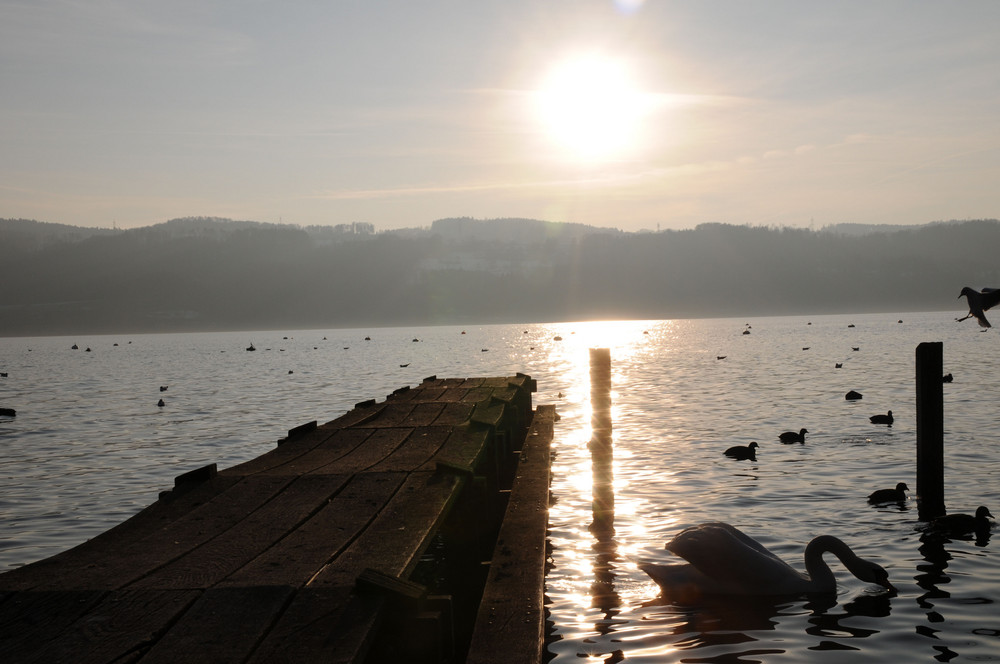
(871, 572)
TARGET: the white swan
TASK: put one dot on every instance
(724, 560)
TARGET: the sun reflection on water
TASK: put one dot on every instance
(595, 534)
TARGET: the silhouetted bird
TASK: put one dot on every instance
(882, 419)
(852, 395)
(743, 452)
(896, 495)
(957, 525)
(163, 388)
(979, 303)
(838, 365)
(792, 437)
(947, 378)
(160, 403)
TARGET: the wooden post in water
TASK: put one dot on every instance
(601, 448)
(930, 431)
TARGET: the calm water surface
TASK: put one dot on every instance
(89, 447)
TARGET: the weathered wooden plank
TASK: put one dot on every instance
(454, 414)
(122, 626)
(465, 448)
(340, 444)
(333, 625)
(423, 414)
(329, 439)
(512, 608)
(392, 414)
(233, 548)
(420, 446)
(488, 413)
(426, 393)
(477, 394)
(394, 541)
(223, 625)
(31, 619)
(148, 521)
(380, 444)
(136, 559)
(299, 556)
(471, 383)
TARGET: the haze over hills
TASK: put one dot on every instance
(215, 274)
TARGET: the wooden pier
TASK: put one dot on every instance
(407, 530)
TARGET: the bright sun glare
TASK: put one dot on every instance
(591, 106)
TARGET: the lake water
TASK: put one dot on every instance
(90, 447)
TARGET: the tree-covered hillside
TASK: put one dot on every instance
(216, 274)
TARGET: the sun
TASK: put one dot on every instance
(591, 106)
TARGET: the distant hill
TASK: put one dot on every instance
(868, 229)
(30, 235)
(219, 274)
(520, 231)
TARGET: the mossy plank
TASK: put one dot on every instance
(393, 542)
(298, 557)
(223, 625)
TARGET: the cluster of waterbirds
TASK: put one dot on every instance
(711, 549)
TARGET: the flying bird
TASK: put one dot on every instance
(979, 303)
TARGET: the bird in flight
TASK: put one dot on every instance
(979, 303)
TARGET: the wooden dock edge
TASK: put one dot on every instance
(511, 612)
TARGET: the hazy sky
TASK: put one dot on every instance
(628, 114)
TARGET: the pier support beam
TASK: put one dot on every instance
(601, 447)
(930, 431)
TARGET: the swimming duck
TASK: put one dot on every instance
(882, 419)
(743, 452)
(957, 525)
(792, 437)
(724, 560)
(896, 495)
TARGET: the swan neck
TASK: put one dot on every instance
(820, 574)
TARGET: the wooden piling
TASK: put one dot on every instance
(601, 446)
(930, 431)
